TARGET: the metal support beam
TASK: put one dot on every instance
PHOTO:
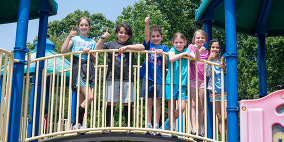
(262, 65)
(18, 74)
(231, 48)
(207, 27)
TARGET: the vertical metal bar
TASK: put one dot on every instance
(262, 65)
(129, 88)
(104, 92)
(163, 92)
(121, 88)
(155, 90)
(146, 90)
(18, 74)
(231, 45)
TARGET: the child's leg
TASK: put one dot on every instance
(158, 111)
(149, 110)
(192, 108)
(83, 93)
(126, 113)
(110, 102)
(183, 103)
(171, 109)
(82, 102)
(108, 114)
(201, 109)
(219, 115)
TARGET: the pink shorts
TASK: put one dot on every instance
(200, 84)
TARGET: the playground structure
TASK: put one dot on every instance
(11, 114)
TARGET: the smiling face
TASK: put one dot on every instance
(199, 39)
(156, 38)
(122, 36)
(179, 44)
(215, 48)
(83, 27)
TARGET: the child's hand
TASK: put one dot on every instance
(86, 50)
(122, 49)
(186, 54)
(222, 65)
(195, 47)
(105, 35)
(147, 19)
(72, 33)
(159, 51)
(202, 49)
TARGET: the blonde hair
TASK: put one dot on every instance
(199, 31)
(180, 35)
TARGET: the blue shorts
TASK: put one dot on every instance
(159, 89)
(175, 92)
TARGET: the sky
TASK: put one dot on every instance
(109, 8)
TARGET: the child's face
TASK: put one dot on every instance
(156, 38)
(179, 44)
(83, 27)
(122, 36)
(215, 48)
(199, 39)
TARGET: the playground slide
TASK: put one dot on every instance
(262, 120)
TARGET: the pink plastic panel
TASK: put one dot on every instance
(257, 117)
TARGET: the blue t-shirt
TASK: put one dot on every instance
(176, 71)
(151, 60)
(217, 78)
(79, 43)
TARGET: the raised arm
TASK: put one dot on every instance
(68, 42)
(101, 40)
(147, 32)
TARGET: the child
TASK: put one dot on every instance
(215, 54)
(81, 43)
(199, 39)
(123, 34)
(153, 43)
(177, 52)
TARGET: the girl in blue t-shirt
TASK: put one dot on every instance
(175, 54)
(85, 44)
(215, 49)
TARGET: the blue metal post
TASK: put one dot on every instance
(262, 65)
(43, 22)
(18, 74)
(73, 106)
(207, 26)
(231, 45)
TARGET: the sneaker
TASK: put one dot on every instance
(81, 127)
(72, 127)
(106, 131)
(157, 133)
(193, 133)
(168, 126)
(130, 132)
(202, 135)
(174, 136)
(148, 132)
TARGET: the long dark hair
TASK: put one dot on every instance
(222, 49)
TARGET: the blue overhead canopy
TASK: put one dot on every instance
(9, 10)
(252, 16)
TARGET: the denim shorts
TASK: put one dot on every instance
(159, 89)
(175, 92)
